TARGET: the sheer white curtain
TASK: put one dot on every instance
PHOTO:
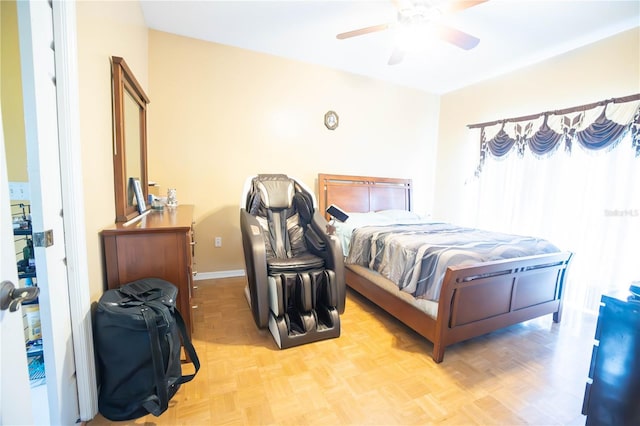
(587, 202)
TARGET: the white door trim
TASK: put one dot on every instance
(66, 49)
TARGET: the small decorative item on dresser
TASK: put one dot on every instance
(157, 204)
(137, 190)
(172, 199)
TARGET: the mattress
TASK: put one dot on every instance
(429, 307)
(415, 256)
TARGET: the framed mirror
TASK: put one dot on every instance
(130, 139)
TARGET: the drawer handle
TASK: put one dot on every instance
(195, 287)
(194, 307)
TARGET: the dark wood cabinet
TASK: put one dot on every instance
(612, 395)
(160, 245)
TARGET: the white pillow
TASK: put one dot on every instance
(356, 220)
(400, 215)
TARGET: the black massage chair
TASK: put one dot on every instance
(295, 270)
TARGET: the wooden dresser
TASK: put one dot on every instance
(160, 245)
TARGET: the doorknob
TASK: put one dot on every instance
(11, 297)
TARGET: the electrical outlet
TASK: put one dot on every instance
(19, 191)
(218, 242)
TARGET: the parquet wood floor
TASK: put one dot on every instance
(378, 372)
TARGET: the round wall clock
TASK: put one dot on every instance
(331, 120)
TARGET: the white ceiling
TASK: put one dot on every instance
(513, 34)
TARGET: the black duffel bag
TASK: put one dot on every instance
(138, 335)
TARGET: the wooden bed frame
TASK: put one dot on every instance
(474, 300)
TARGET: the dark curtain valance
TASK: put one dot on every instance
(596, 126)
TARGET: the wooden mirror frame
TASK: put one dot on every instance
(124, 82)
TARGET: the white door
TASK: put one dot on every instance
(15, 393)
(54, 159)
(35, 23)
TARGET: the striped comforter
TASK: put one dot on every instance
(415, 257)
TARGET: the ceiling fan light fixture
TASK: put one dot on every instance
(419, 21)
(419, 13)
(414, 38)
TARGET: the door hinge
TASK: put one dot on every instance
(43, 239)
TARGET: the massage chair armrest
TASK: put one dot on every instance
(333, 256)
(255, 258)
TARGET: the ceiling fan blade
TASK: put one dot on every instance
(396, 56)
(458, 5)
(362, 31)
(459, 38)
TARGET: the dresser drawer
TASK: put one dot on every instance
(160, 245)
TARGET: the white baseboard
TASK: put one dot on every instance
(219, 274)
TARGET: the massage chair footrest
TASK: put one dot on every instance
(287, 336)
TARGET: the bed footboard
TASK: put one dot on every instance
(475, 300)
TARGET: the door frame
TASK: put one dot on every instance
(65, 39)
(63, 14)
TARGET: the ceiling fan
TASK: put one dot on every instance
(417, 15)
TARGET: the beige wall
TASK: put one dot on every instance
(603, 70)
(105, 29)
(11, 94)
(219, 114)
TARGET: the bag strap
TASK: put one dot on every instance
(155, 404)
(188, 347)
(141, 290)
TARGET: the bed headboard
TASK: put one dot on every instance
(363, 193)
